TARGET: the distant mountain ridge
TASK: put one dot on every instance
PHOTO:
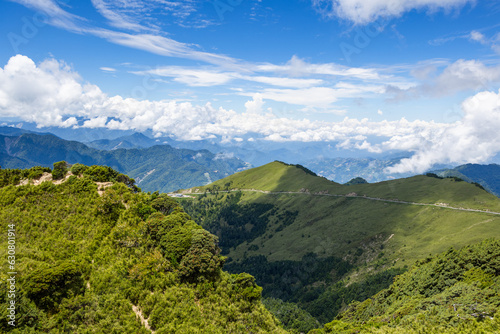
(162, 168)
(486, 175)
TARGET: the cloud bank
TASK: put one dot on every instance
(52, 94)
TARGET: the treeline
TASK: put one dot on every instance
(90, 263)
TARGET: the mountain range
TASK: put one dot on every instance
(160, 167)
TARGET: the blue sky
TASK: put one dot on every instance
(416, 75)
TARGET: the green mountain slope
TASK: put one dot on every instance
(101, 258)
(455, 292)
(277, 220)
(161, 168)
(486, 175)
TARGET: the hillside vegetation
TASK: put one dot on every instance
(96, 255)
(454, 292)
(321, 245)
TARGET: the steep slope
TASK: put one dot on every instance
(298, 233)
(454, 292)
(160, 168)
(97, 257)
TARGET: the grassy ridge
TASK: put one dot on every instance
(373, 236)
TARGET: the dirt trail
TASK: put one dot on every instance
(144, 321)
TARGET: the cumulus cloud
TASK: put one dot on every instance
(255, 106)
(474, 139)
(52, 94)
(366, 11)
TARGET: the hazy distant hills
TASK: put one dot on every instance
(342, 170)
(298, 232)
(486, 175)
(162, 168)
(336, 169)
(136, 140)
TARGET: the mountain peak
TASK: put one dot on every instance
(274, 176)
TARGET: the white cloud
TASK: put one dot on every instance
(477, 37)
(474, 139)
(116, 19)
(150, 42)
(108, 69)
(255, 106)
(298, 67)
(138, 15)
(192, 76)
(52, 94)
(366, 11)
(211, 76)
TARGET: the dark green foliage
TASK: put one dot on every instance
(48, 286)
(454, 292)
(202, 260)
(455, 178)
(308, 171)
(164, 204)
(338, 296)
(433, 175)
(246, 287)
(60, 169)
(356, 180)
(100, 173)
(88, 262)
(78, 169)
(36, 172)
(293, 318)
(14, 176)
(293, 281)
(234, 222)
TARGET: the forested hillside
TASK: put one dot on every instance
(455, 292)
(93, 254)
(158, 168)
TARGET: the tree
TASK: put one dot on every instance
(202, 261)
(164, 204)
(60, 169)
